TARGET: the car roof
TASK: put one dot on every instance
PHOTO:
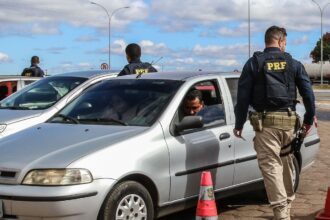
(86, 74)
(17, 77)
(182, 75)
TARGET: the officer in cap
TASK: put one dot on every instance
(135, 66)
(268, 83)
(34, 69)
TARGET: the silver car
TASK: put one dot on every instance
(124, 149)
(38, 102)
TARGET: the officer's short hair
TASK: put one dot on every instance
(193, 94)
(274, 33)
(34, 60)
(133, 51)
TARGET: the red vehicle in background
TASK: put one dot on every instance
(10, 84)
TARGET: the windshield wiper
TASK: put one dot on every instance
(104, 120)
(15, 107)
(67, 118)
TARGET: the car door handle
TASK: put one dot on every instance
(224, 136)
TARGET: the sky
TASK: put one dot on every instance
(73, 35)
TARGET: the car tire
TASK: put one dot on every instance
(295, 173)
(128, 200)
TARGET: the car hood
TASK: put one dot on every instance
(8, 116)
(51, 145)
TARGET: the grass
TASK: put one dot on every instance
(324, 86)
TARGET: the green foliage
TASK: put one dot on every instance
(316, 52)
(324, 86)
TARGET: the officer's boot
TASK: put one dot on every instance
(289, 209)
(281, 213)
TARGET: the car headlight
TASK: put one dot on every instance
(2, 127)
(57, 177)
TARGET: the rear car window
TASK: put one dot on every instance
(7, 88)
(233, 86)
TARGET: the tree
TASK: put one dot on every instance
(316, 52)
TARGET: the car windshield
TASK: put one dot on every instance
(42, 94)
(133, 102)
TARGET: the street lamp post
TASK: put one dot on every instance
(249, 28)
(321, 12)
(109, 20)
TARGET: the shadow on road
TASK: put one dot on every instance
(230, 204)
(224, 205)
(309, 217)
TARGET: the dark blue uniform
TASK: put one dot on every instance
(247, 85)
(33, 70)
(137, 67)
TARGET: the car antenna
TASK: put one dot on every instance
(152, 62)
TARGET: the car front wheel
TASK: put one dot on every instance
(128, 201)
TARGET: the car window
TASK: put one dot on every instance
(134, 102)
(3, 91)
(27, 82)
(7, 88)
(43, 94)
(212, 111)
(233, 86)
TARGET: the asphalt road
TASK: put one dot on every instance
(322, 95)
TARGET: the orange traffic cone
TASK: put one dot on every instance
(206, 207)
(325, 214)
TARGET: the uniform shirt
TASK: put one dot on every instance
(136, 64)
(246, 84)
(33, 70)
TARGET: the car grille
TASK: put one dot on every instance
(8, 176)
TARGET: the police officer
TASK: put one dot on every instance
(135, 66)
(34, 69)
(268, 83)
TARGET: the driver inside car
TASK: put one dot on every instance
(119, 108)
(192, 103)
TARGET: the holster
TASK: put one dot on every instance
(298, 124)
(256, 120)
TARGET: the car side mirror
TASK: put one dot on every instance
(189, 122)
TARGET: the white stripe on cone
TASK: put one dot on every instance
(207, 218)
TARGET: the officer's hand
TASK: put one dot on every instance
(315, 121)
(306, 129)
(238, 133)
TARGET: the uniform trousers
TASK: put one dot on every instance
(277, 171)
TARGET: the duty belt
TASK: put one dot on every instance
(281, 120)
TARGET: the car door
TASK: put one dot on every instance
(246, 165)
(207, 148)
